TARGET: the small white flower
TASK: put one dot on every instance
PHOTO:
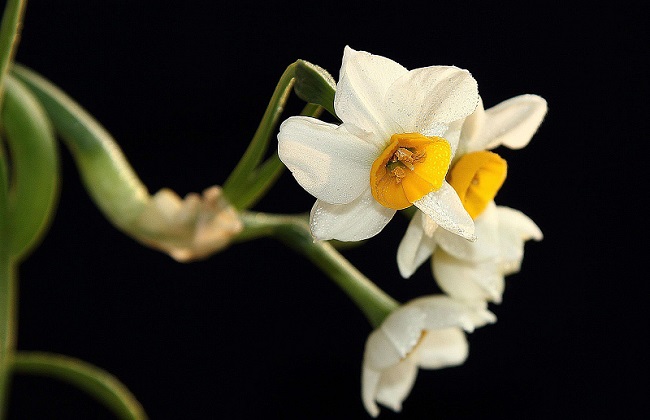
(427, 333)
(392, 150)
(475, 270)
(470, 270)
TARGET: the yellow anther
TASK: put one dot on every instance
(399, 173)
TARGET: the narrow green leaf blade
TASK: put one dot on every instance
(10, 27)
(98, 383)
(315, 85)
(242, 174)
(107, 174)
(4, 189)
(34, 183)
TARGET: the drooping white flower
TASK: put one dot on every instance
(476, 270)
(471, 270)
(427, 333)
(392, 149)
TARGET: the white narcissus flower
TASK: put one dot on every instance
(470, 270)
(427, 333)
(476, 270)
(398, 134)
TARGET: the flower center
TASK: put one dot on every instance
(477, 177)
(410, 167)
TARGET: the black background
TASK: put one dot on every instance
(257, 331)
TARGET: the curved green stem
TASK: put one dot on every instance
(107, 174)
(265, 175)
(9, 36)
(103, 386)
(34, 184)
(294, 232)
(8, 303)
(249, 181)
(244, 172)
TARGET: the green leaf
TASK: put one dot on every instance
(98, 383)
(251, 178)
(265, 175)
(244, 173)
(9, 35)
(260, 182)
(4, 189)
(8, 315)
(34, 181)
(107, 175)
(315, 85)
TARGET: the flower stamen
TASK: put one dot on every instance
(398, 173)
(408, 156)
(410, 167)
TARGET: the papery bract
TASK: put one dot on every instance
(187, 229)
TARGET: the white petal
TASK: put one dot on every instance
(415, 247)
(470, 139)
(452, 135)
(369, 383)
(363, 83)
(395, 338)
(485, 247)
(381, 352)
(403, 328)
(472, 127)
(513, 122)
(358, 220)
(514, 229)
(327, 161)
(443, 312)
(468, 281)
(396, 383)
(446, 209)
(427, 100)
(442, 348)
(511, 219)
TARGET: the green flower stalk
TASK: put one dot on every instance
(96, 382)
(293, 231)
(34, 178)
(28, 195)
(10, 27)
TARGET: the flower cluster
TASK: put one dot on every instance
(417, 138)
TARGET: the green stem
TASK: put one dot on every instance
(257, 148)
(107, 174)
(264, 176)
(8, 303)
(34, 183)
(103, 386)
(9, 36)
(294, 232)
(6, 284)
